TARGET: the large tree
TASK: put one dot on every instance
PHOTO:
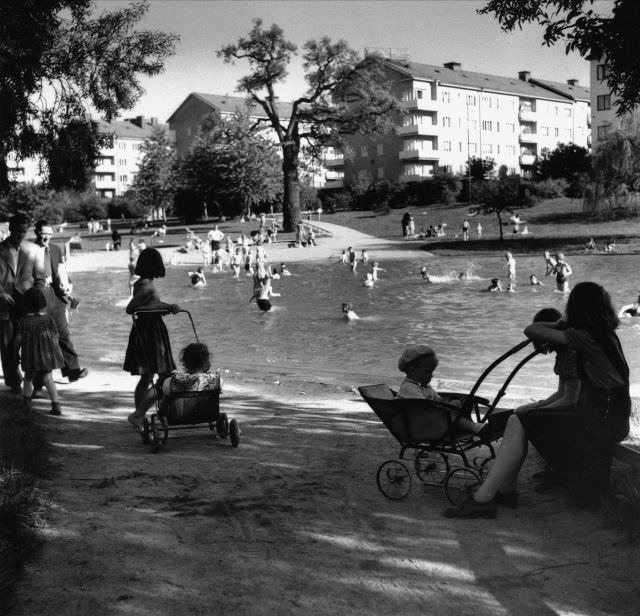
(154, 186)
(346, 94)
(230, 168)
(612, 37)
(57, 60)
(563, 162)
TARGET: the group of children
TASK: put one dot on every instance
(349, 257)
(554, 265)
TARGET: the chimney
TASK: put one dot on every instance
(453, 66)
(573, 82)
(524, 75)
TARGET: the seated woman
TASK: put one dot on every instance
(196, 361)
(578, 442)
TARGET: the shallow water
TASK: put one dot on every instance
(306, 334)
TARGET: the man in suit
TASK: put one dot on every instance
(15, 257)
(49, 265)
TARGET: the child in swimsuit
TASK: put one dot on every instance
(263, 294)
(197, 278)
(562, 271)
(347, 311)
(495, 286)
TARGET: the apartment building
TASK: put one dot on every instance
(603, 107)
(117, 164)
(120, 158)
(451, 115)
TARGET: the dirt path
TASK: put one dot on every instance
(291, 522)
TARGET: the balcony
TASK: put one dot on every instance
(418, 155)
(337, 161)
(529, 137)
(421, 104)
(527, 159)
(334, 184)
(427, 130)
(412, 177)
(527, 115)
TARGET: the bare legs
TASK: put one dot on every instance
(503, 475)
(143, 397)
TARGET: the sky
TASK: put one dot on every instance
(432, 32)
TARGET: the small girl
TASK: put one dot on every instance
(511, 265)
(263, 293)
(197, 279)
(562, 270)
(375, 268)
(495, 286)
(533, 281)
(549, 263)
(369, 281)
(37, 337)
(149, 349)
(197, 375)
(348, 312)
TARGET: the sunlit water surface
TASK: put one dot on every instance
(305, 333)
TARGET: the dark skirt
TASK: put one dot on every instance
(149, 348)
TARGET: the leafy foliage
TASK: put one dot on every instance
(154, 186)
(346, 95)
(479, 168)
(613, 39)
(56, 60)
(563, 162)
(72, 151)
(230, 168)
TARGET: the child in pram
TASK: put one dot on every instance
(418, 362)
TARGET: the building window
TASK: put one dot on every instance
(602, 71)
(446, 121)
(380, 149)
(446, 146)
(122, 162)
(122, 146)
(486, 100)
(124, 179)
(459, 146)
(556, 131)
(555, 110)
(418, 93)
(189, 131)
(497, 127)
(604, 102)
(602, 131)
(511, 149)
(567, 112)
(380, 173)
(487, 125)
(487, 148)
(446, 97)
(473, 148)
(471, 100)
(498, 149)
(364, 151)
(544, 131)
(511, 127)
(473, 124)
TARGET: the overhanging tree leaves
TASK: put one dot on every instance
(154, 186)
(612, 38)
(55, 60)
(230, 168)
(346, 95)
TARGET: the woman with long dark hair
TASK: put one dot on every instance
(577, 443)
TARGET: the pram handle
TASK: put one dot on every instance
(165, 311)
(468, 403)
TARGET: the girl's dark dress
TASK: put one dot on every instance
(149, 348)
(40, 348)
(578, 443)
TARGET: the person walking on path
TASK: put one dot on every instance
(13, 259)
(465, 230)
(58, 296)
(36, 339)
(406, 219)
(149, 349)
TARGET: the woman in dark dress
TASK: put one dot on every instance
(149, 349)
(576, 442)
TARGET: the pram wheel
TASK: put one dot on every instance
(222, 425)
(459, 481)
(394, 479)
(145, 431)
(482, 464)
(234, 433)
(431, 467)
(155, 436)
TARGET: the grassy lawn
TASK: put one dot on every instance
(554, 222)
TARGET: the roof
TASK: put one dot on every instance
(577, 92)
(470, 79)
(123, 129)
(233, 104)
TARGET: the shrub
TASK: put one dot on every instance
(549, 189)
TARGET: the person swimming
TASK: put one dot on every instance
(348, 313)
(284, 270)
(630, 310)
(495, 286)
(424, 273)
(533, 281)
(369, 280)
(197, 278)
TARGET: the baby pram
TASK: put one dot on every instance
(181, 410)
(442, 454)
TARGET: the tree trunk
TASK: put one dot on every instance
(5, 184)
(291, 204)
(500, 225)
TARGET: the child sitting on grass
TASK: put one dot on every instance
(418, 362)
